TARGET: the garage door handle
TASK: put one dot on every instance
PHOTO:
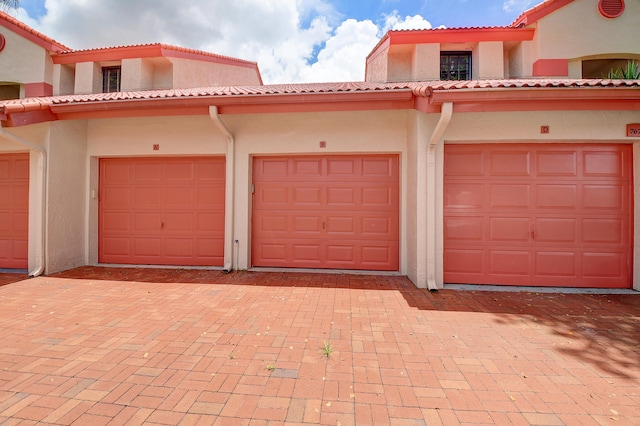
(533, 232)
(161, 225)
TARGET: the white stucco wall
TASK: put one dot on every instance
(189, 73)
(377, 67)
(88, 78)
(557, 32)
(426, 62)
(488, 60)
(66, 227)
(263, 134)
(23, 61)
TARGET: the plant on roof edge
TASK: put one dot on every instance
(9, 4)
(631, 72)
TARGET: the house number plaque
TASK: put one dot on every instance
(633, 130)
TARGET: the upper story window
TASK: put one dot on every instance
(455, 65)
(111, 79)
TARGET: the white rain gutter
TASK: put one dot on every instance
(435, 142)
(229, 188)
(42, 168)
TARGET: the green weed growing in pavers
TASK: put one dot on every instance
(327, 349)
(271, 367)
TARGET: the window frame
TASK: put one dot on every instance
(458, 54)
(108, 85)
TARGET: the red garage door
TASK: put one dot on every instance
(326, 212)
(14, 210)
(162, 211)
(539, 215)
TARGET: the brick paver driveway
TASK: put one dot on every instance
(258, 348)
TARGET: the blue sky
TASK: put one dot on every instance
(292, 40)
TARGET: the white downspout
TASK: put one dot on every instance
(42, 168)
(436, 141)
(229, 190)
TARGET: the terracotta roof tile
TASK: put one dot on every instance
(418, 88)
(44, 41)
(158, 46)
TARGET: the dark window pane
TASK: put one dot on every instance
(455, 66)
(110, 79)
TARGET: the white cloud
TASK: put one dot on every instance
(292, 41)
(395, 22)
(517, 5)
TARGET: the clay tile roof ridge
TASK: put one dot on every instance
(492, 27)
(58, 47)
(161, 46)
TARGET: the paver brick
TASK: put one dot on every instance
(162, 346)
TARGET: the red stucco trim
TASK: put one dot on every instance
(33, 90)
(551, 68)
(529, 17)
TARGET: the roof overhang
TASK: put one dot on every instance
(425, 97)
(532, 99)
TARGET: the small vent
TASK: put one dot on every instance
(611, 8)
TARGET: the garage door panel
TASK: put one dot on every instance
(512, 229)
(171, 211)
(509, 262)
(179, 171)
(574, 226)
(210, 222)
(604, 231)
(381, 169)
(464, 228)
(557, 163)
(146, 172)
(118, 247)
(145, 222)
(324, 211)
(470, 261)
(179, 247)
(556, 264)
(378, 255)
(604, 197)
(305, 168)
(510, 163)
(116, 171)
(117, 221)
(465, 163)
(114, 197)
(605, 164)
(338, 168)
(179, 197)
(462, 195)
(309, 196)
(553, 197)
(604, 265)
(509, 197)
(378, 227)
(341, 197)
(211, 197)
(378, 197)
(556, 230)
